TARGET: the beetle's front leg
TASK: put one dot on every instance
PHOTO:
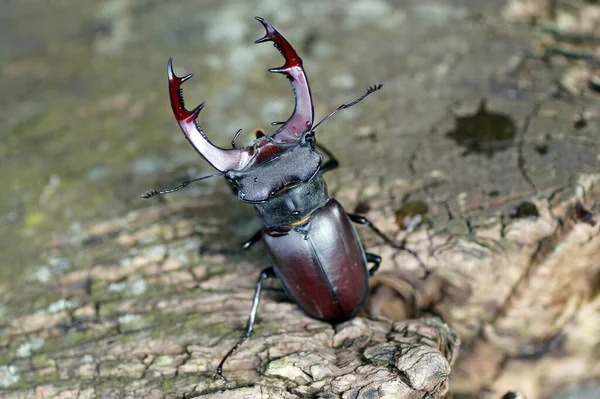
(265, 274)
(256, 237)
(401, 247)
(332, 163)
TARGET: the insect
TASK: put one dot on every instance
(314, 248)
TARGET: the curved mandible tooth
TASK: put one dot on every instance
(301, 119)
(221, 159)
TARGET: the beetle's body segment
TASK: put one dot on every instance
(314, 248)
(321, 263)
(294, 205)
(261, 181)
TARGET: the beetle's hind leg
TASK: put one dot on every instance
(401, 247)
(265, 274)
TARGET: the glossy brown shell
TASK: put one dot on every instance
(321, 264)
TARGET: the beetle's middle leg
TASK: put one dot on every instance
(375, 260)
(265, 274)
(401, 247)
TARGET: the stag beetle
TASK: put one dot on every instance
(314, 248)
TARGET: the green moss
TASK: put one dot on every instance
(6, 356)
(215, 271)
(177, 324)
(113, 384)
(136, 336)
(34, 218)
(216, 330)
(167, 385)
(163, 361)
(41, 303)
(194, 321)
(135, 322)
(109, 309)
(255, 349)
(380, 362)
(40, 361)
(279, 363)
(35, 378)
(74, 338)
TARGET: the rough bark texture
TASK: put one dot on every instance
(105, 295)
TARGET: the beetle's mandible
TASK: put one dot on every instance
(314, 248)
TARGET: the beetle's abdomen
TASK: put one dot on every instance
(321, 264)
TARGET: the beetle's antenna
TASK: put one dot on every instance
(153, 193)
(370, 90)
(237, 134)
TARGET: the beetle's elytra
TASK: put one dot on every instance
(314, 248)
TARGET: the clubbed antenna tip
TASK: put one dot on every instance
(154, 193)
(149, 194)
(371, 89)
(374, 88)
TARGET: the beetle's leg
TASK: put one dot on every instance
(375, 260)
(258, 133)
(332, 163)
(265, 274)
(237, 134)
(256, 237)
(401, 247)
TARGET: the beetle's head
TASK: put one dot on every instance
(298, 163)
(273, 162)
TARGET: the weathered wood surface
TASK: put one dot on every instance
(104, 295)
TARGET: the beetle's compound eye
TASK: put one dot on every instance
(259, 133)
